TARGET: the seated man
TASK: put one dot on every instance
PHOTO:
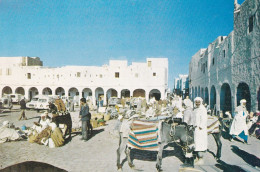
(39, 127)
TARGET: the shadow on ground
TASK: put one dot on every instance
(32, 166)
(247, 157)
(228, 167)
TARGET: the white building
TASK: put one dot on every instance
(181, 85)
(228, 69)
(28, 76)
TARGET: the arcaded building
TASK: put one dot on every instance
(228, 70)
(28, 76)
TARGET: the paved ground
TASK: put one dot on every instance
(99, 153)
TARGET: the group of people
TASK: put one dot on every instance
(46, 132)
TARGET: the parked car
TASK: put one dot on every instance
(32, 103)
(43, 103)
(16, 98)
(5, 102)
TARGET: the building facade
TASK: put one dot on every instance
(181, 85)
(228, 69)
(28, 76)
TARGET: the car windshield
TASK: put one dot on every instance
(12, 96)
(34, 99)
(42, 100)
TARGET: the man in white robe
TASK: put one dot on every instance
(239, 127)
(200, 134)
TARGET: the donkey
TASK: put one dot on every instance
(168, 133)
(64, 119)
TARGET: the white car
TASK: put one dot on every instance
(32, 103)
(16, 98)
(43, 103)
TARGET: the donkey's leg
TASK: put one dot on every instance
(217, 137)
(130, 162)
(121, 147)
(159, 157)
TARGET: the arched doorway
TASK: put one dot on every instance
(73, 92)
(139, 93)
(20, 90)
(47, 91)
(243, 92)
(155, 93)
(111, 93)
(225, 98)
(125, 93)
(99, 92)
(33, 92)
(60, 91)
(206, 95)
(212, 97)
(87, 93)
(6, 90)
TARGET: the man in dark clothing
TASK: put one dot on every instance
(85, 118)
(23, 107)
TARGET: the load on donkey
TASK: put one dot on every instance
(61, 115)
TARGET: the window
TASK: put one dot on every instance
(149, 63)
(100, 76)
(224, 53)
(117, 75)
(221, 38)
(8, 71)
(78, 74)
(251, 24)
(28, 75)
(213, 61)
(154, 74)
(136, 75)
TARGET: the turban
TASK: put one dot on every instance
(5, 123)
(44, 114)
(198, 99)
(242, 101)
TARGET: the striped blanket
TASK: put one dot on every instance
(213, 124)
(144, 135)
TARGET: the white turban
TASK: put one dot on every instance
(44, 114)
(5, 123)
(198, 99)
(242, 101)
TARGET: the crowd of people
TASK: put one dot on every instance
(195, 114)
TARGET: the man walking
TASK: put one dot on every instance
(23, 107)
(85, 118)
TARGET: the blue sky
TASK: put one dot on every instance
(92, 32)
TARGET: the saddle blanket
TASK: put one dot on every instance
(213, 124)
(144, 135)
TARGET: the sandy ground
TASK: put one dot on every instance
(99, 153)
